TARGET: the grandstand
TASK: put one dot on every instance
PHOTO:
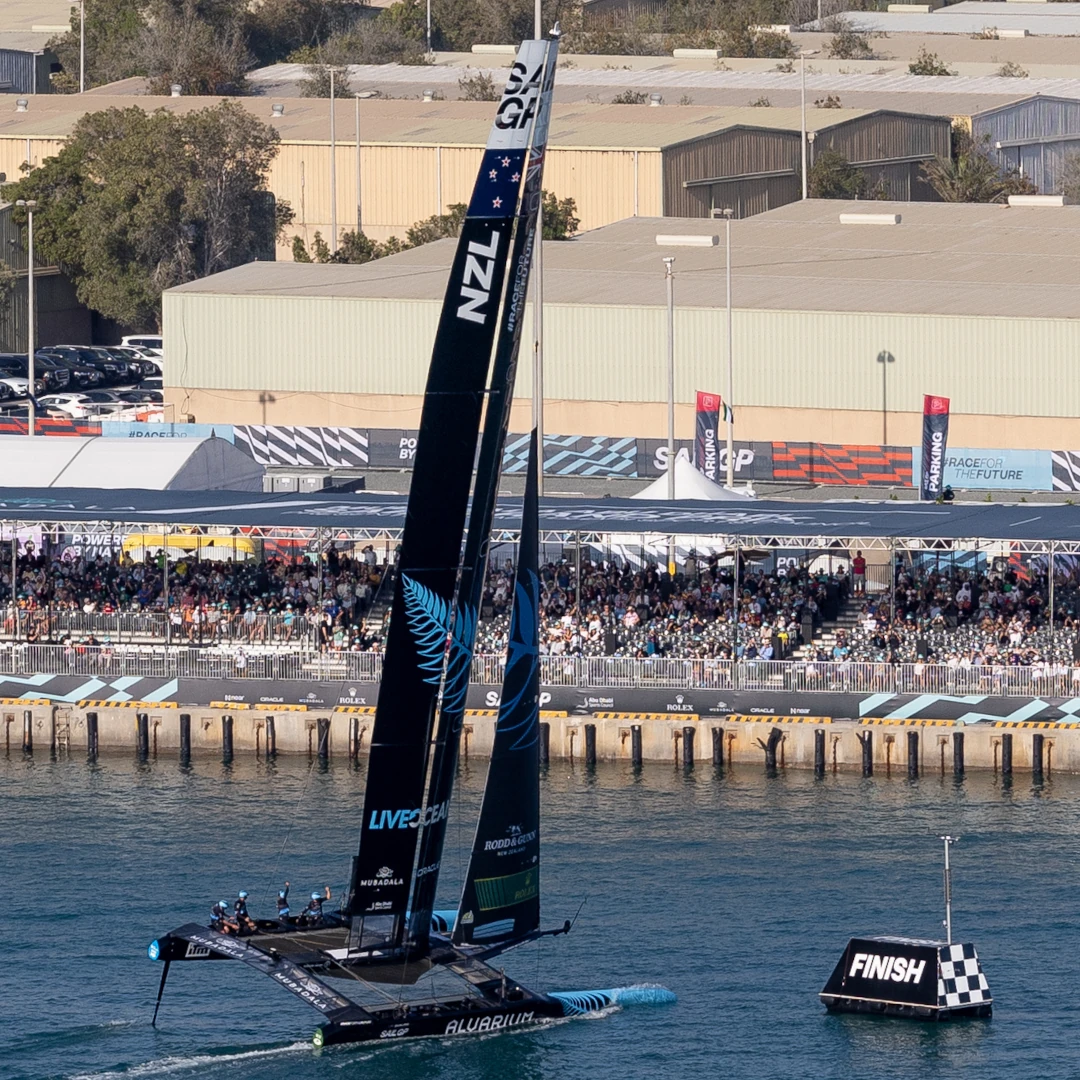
(958, 599)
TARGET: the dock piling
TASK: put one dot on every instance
(958, 754)
(185, 738)
(819, 753)
(91, 736)
(226, 739)
(866, 738)
(545, 744)
(913, 755)
(590, 746)
(688, 734)
(324, 739)
(1037, 742)
(635, 745)
(718, 747)
(28, 731)
(1006, 753)
(142, 736)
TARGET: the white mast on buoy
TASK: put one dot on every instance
(948, 888)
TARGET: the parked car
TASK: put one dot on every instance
(81, 375)
(139, 365)
(19, 386)
(151, 384)
(141, 397)
(112, 371)
(152, 342)
(6, 393)
(71, 405)
(14, 364)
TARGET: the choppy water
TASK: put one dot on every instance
(736, 891)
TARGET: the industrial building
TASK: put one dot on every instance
(840, 326)
(615, 161)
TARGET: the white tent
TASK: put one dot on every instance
(692, 484)
(55, 461)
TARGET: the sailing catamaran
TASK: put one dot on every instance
(387, 931)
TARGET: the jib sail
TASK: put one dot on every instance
(501, 898)
(421, 641)
(471, 587)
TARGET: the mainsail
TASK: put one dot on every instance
(421, 641)
(501, 898)
(481, 515)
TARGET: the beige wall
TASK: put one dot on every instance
(400, 185)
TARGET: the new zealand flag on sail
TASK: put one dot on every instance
(496, 191)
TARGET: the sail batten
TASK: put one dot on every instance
(474, 564)
(500, 901)
(429, 643)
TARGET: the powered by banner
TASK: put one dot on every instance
(935, 437)
(706, 458)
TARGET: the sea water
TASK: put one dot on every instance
(736, 890)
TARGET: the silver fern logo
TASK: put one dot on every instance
(439, 649)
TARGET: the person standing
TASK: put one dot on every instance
(858, 572)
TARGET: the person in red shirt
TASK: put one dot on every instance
(858, 572)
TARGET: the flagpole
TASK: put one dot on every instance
(729, 412)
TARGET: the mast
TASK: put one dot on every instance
(421, 642)
(949, 840)
(474, 565)
(501, 898)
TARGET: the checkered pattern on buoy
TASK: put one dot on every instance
(961, 980)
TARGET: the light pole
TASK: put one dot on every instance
(333, 168)
(359, 228)
(802, 139)
(669, 275)
(82, 46)
(728, 214)
(30, 206)
(885, 358)
(949, 840)
(429, 27)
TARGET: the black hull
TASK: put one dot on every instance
(906, 1012)
(466, 1016)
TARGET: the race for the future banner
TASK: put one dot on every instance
(706, 457)
(935, 437)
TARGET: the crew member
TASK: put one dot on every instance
(244, 922)
(283, 902)
(313, 913)
(220, 918)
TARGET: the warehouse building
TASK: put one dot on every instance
(615, 161)
(839, 329)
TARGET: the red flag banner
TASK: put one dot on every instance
(935, 438)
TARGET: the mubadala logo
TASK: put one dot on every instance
(383, 876)
(384, 872)
(897, 968)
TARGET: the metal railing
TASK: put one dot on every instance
(786, 676)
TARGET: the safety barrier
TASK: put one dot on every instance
(662, 673)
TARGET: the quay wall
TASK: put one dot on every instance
(943, 746)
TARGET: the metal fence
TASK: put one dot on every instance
(788, 676)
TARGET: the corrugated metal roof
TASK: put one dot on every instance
(950, 20)
(447, 123)
(944, 259)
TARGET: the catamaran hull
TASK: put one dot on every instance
(467, 1017)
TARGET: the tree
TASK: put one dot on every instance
(560, 217)
(848, 42)
(113, 31)
(832, 176)
(970, 175)
(316, 80)
(478, 87)
(928, 63)
(1069, 183)
(200, 45)
(438, 227)
(138, 202)
(276, 28)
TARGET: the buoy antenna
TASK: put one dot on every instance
(948, 840)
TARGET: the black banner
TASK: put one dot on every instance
(935, 437)
(887, 969)
(707, 417)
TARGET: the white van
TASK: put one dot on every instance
(150, 342)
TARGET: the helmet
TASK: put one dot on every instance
(316, 896)
(281, 893)
(243, 895)
(223, 903)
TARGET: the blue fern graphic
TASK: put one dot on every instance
(523, 650)
(428, 617)
(459, 663)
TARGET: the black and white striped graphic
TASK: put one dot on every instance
(339, 447)
(1066, 466)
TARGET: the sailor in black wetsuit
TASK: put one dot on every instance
(220, 920)
(312, 915)
(245, 924)
(283, 903)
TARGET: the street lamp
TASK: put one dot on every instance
(82, 46)
(802, 140)
(30, 205)
(669, 275)
(885, 358)
(728, 214)
(333, 168)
